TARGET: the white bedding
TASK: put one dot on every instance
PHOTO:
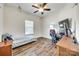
(20, 41)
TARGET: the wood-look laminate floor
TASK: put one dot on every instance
(42, 47)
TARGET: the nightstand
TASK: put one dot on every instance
(6, 48)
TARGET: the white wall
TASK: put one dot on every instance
(66, 12)
(1, 20)
(14, 22)
(51, 19)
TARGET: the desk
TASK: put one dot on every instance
(6, 49)
(66, 47)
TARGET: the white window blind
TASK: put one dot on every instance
(29, 27)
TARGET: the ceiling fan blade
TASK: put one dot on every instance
(47, 9)
(35, 6)
(42, 13)
(35, 11)
(44, 4)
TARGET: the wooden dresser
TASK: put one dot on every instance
(66, 47)
(6, 49)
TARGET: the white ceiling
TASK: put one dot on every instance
(28, 7)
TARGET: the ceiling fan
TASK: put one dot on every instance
(41, 7)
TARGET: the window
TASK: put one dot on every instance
(29, 27)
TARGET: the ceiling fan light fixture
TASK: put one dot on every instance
(46, 6)
(41, 10)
